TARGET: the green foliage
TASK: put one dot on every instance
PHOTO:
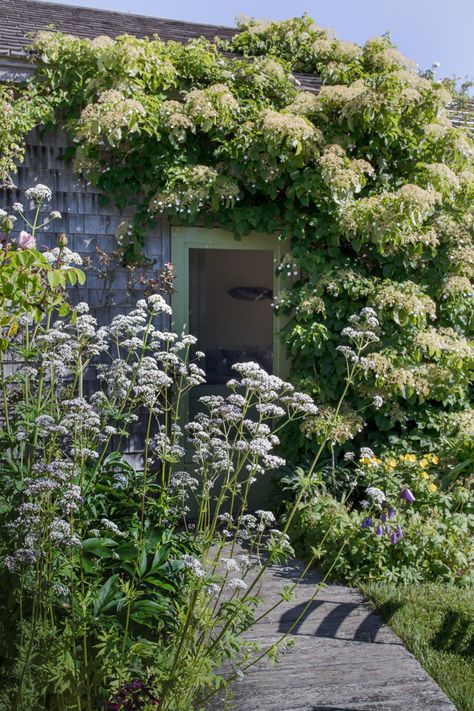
(21, 110)
(368, 181)
(109, 595)
(362, 535)
(32, 283)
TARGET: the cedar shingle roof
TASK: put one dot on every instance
(19, 17)
(461, 113)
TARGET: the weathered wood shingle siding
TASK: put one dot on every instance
(87, 222)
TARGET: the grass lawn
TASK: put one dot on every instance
(436, 622)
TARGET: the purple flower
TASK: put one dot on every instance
(383, 517)
(399, 532)
(133, 695)
(387, 528)
(367, 522)
(406, 494)
(393, 538)
(391, 512)
(379, 530)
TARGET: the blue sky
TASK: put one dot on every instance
(426, 30)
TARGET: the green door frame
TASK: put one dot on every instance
(185, 238)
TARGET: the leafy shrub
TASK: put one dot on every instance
(368, 181)
(390, 520)
(109, 595)
(32, 282)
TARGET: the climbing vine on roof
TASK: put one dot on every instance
(367, 180)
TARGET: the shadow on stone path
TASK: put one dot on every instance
(345, 658)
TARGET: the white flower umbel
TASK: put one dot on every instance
(194, 565)
(237, 584)
(39, 193)
(377, 495)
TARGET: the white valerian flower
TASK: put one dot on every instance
(21, 557)
(39, 193)
(61, 591)
(249, 521)
(237, 584)
(266, 517)
(378, 402)
(230, 564)
(157, 304)
(71, 499)
(180, 481)
(111, 526)
(60, 532)
(366, 453)
(194, 565)
(377, 495)
(17, 207)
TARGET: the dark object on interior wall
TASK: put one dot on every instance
(251, 293)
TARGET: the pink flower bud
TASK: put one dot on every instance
(26, 241)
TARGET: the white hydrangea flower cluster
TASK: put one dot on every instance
(343, 176)
(110, 118)
(213, 105)
(194, 188)
(285, 131)
(400, 300)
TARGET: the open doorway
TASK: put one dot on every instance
(224, 294)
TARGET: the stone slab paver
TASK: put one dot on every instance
(344, 659)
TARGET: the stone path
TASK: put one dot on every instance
(344, 659)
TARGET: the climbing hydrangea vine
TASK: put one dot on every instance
(367, 181)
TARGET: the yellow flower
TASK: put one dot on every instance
(433, 487)
(370, 460)
(391, 463)
(408, 457)
(434, 459)
(424, 475)
(424, 463)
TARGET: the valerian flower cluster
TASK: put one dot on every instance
(367, 181)
(105, 564)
